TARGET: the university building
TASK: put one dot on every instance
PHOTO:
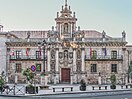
(68, 53)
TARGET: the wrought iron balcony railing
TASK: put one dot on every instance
(103, 57)
(29, 57)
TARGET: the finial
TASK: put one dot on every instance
(65, 2)
(103, 34)
(62, 8)
(78, 28)
(57, 14)
(52, 28)
(74, 15)
(69, 8)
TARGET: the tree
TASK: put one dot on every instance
(29, 75)
(113, 81)
(30, 78)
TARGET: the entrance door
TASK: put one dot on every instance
(65, 75)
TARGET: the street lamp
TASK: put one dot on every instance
(99, 79)
(43, 75)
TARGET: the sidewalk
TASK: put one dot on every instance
(77, 90)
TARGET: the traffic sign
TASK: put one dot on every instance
(33, 68)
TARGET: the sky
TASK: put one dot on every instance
(112, 16)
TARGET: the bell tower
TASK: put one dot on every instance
(66, 22)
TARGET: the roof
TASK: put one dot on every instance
(93, 34)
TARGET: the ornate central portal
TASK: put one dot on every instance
(65, 75)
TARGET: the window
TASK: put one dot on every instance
(18, 68)
(18, 54)
(93, 68)
(94, 54)
(38, 54)
(114, 55)
(38, 67)
(114, 68)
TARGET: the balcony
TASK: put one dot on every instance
(27, 58)
(103, 58)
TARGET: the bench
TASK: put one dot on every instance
(122, 86)
(99, 87)
(62, 88)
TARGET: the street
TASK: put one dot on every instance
(123, 96)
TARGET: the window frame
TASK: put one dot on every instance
(18, 68)
(114, 68)
(93, 68)
(113, 54)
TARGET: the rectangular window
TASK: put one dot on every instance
(114, 68)
(38, 54)
(38, 67)
(18, 68)
(114, 55)
(93, 68)
(18, 54)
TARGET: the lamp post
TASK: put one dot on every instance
(43, 74)
(99, 79)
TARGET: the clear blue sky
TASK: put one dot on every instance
(112, 16)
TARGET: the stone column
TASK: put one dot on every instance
(48, 59)
(83, 61)
(71, 30)
(125, 64)
(16, 78)
(57, 60)
(74, 60)
(56, 66)
(7, 64)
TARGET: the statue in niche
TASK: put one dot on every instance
(65, 54)
(52, 54)
(52, 66)
(78, 66)
(66, 28)
(78, 54)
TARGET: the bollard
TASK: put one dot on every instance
(99, 88)
(105, 87)
(93, 88)
(121, 86)
(71, 88)
(53, 89)
(126, 86)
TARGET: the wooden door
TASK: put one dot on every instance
(65, 74)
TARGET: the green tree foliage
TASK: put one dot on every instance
(2, 82)
(29, 75)
(113, 79)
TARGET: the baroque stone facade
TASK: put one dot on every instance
(71, 54)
